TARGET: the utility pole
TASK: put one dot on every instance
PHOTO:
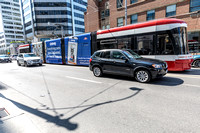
(125, 12)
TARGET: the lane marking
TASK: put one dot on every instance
(188, 76)
(192, 85)
(87, 80)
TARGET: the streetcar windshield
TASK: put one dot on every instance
(180, 37)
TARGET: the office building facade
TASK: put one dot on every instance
(45, 19)
(11, 29)
(104, 14)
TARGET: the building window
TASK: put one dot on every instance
(170, 10)
(194, 5)
(134, 18)
(150, 15)
(107, 13)
(120, 22)
(134, 1)
(119, 3)
(102, 14)
(108, 26)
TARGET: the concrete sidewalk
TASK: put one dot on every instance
(14, 120)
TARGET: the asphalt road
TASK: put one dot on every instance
(62, 98)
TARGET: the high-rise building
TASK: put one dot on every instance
(10, 24)
(45, 19)
(105, 14)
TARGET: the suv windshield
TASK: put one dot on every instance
(29, 55)
(131, 55)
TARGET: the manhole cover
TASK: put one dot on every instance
(3, 112)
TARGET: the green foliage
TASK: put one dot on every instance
(23, 42)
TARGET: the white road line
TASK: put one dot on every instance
(192, 85)
(92, 81)
(185, 76)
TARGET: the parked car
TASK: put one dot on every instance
(5, 58)
(28, 59)
(128, 63)
(13, 57)
(196, 61)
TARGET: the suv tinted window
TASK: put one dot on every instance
(20, 56)
(117, 55)
(106, 54)
(97, 54)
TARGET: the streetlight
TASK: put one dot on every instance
(125, 12)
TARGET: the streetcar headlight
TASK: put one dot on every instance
(157, 66)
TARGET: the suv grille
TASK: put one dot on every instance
(36, 60)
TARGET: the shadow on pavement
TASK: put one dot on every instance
(167, 81)
(188, 72)
(2, 86)
(66, 122)
(33, 66)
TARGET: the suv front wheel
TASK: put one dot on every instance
(18, 63)
(97, 71)
(25, 64)
(142, 76)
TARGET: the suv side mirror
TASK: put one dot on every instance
(124, 58)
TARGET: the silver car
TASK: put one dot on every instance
(28, 59)
(5, 58)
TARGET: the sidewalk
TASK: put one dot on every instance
(13, 120)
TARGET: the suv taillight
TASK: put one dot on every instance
(90, 59)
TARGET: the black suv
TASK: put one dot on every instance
(126, 62)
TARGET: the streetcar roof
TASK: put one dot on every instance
(143, 25)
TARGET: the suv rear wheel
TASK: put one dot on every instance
(142, 76)
(97, 71)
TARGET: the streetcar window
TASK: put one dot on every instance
(124, 43)
(108, 44)
(164, 45)
(144, 45)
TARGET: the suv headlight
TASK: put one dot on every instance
(157, 66)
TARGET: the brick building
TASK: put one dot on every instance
(105, 14)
